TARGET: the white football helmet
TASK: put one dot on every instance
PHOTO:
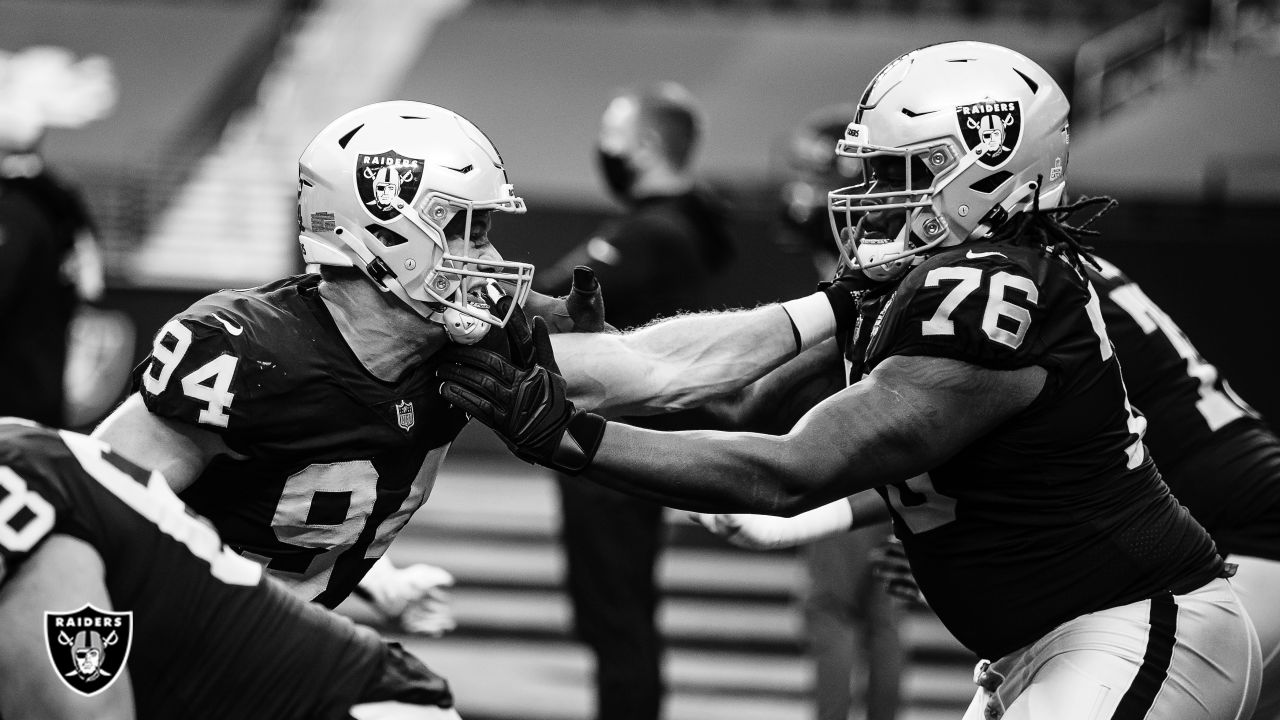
(377, 188)
(955, 138)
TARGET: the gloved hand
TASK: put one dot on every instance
(405, 688)
(845, 292)
(889, 562)
(582, 310)
(585, 303)
(414, 596)
(725, 525)
(523, 399)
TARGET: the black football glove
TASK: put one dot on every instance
(519, 336)
(404, 678)
(845, 293)
(523, 399)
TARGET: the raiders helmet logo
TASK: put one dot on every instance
(993, 128)
(88, 647)
(383, 178)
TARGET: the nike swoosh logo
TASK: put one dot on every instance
(975, 255)
(230, 326)
(463, 170)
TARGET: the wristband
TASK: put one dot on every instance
(844, 304)
(813, 319)
(578, 443)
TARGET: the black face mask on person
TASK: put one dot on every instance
(619, 173)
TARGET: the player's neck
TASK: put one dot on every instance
(387, 337)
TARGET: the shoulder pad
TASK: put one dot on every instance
(194, 372)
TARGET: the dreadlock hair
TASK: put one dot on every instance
(1048, 227)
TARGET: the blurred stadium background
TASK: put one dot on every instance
(193, 178)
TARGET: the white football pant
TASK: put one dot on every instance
(1175, 657)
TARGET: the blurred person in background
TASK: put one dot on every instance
(851, 624)
(49, 260)
(655, 260)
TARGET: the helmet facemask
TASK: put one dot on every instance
(462, 290)
(883, 224)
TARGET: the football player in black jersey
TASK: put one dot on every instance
(204, 634)
(302, 417)
(986, 406)
(1219, 458)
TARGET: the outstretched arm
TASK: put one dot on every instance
(769, 532)
(775, 402)
(685, 361)
(908, 416)
(905, 418)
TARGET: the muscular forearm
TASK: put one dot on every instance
(903, 420)
(776, 401)
(841, 447)
(675, 364)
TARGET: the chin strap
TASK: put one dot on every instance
(461, 327)
(1021, 199)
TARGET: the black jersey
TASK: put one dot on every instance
(211, 637)
(336, 460)
(1215, 452)
(1059, 511)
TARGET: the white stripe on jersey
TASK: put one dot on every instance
(157, 503)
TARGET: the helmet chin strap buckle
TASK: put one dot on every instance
(1020, 199)
(461, 327)
(379, 271)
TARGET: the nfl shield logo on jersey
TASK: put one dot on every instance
(384, 178)
(404, 415)
(994, 128)
(88, 647)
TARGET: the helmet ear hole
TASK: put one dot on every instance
(386, 236)
(992, 182)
